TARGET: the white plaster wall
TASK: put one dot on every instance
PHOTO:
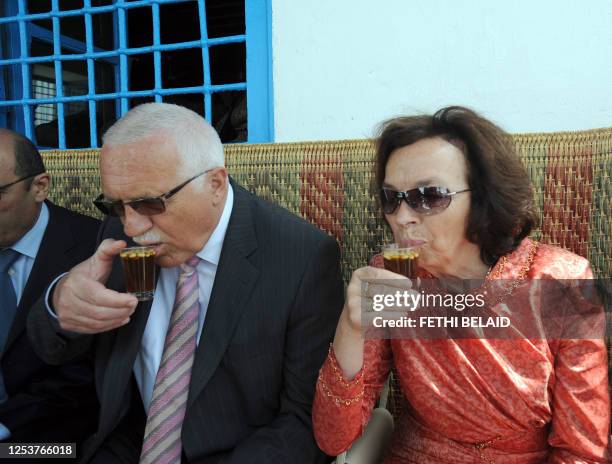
(342, 66)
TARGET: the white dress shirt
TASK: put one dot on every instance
(152, 346)
(28, 246)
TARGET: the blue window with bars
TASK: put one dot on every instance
(70, 68)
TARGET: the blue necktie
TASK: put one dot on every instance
(8, 304)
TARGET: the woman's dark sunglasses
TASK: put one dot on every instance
(144, 206)
(423, 200)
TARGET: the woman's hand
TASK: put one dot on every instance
(365, 284)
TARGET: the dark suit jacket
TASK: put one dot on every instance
(49, 403)
(274, 306)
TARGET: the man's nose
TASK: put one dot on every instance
(135, 224)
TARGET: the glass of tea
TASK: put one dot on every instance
(401, 260)
(139, 271)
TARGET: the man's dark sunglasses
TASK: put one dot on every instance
(144, 206)
(5, 186)
(423, 200)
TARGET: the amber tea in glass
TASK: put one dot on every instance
(401, 260)
(139, 271)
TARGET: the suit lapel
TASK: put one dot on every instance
(57, 241)
(121, 363)
(234, 282)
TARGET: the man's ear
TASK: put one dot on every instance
(40, 187)
(218, 181)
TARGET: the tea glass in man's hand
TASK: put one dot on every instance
(139, 271)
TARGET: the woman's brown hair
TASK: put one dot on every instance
(502, 209)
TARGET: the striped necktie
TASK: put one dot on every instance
(162, 438)
(8, 304)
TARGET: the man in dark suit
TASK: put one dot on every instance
(38, 240)
(221, 366)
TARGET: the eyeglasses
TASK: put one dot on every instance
(145, 206)
(423, 200)
(5, 186)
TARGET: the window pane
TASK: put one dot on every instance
(77, 125)
(43, 88)
(38, 6)
(141, 72)
(74, 27)
(105, 109)
(105, 77)
(180, 22)
(193, 101)
(140, 27)
(65, 5)
(230, 115)
(40, 48)
(102, 26)
(74, 76)
(225, 17)
(46, 129)
(182, 68)
(44, 23)
(228, 63)
(139, 101)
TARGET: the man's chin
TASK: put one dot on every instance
(166, 261)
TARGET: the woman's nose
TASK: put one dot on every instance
(405, 215)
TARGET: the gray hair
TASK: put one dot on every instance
(196, 141)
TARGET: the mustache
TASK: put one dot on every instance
(150, 236)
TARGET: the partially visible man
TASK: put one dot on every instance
(38, 240)
(221, 366)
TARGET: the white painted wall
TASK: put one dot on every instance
(342, 66)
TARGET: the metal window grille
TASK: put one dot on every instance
(35, 89)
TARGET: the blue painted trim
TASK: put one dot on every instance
(14, 85)
(131, 94)
(205, 60)
(3, 95)
(91, 78)
(59, 76)
(123, 63)
(12, 17)
(126, 51)
(270, 73)
(258, 18)
(26, 83)
(157, 64)
(69, 43)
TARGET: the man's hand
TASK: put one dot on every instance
(81, 301)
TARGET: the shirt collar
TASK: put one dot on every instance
(212, 250)
(29, 244)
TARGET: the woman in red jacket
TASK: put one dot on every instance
(453, 185)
